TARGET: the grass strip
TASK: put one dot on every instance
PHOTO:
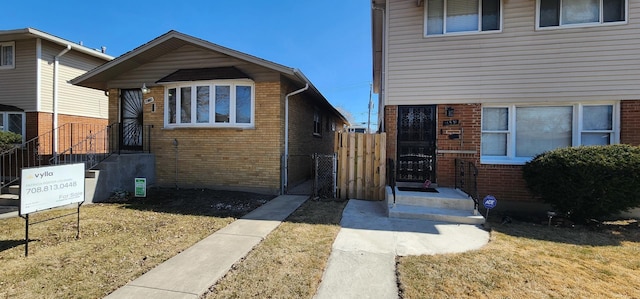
(524, 260)
(290, 261)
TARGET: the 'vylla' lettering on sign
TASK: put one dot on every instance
(44, 174)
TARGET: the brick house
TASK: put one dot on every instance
(497, 82)
(215, 117)
(35, 96)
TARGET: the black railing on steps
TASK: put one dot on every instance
(76, 143)
(466, 179)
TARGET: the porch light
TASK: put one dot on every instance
(144, 89)
(449, 111)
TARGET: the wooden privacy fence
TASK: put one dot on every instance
(361, 172)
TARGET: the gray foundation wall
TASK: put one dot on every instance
(118, 173)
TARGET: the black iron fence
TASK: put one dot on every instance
(69, 143)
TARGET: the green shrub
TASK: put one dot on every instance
(8, 140)
(587, 182)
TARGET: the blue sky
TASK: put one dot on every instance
(329, 40)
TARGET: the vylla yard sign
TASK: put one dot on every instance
(48, 187)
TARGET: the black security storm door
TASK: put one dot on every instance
(131, 126)
(416, 144)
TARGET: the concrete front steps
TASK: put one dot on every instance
(447, 205)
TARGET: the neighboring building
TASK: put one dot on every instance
(35, 96)
(217, 117)
(497, 82)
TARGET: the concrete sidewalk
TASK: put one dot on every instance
(190, 273)
(362, 261)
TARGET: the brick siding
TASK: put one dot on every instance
(630, 122)
(502, 181)
(231, 158)
(41, 123)
(302, 142)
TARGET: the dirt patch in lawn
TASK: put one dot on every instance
(119, 241)
(205, 202)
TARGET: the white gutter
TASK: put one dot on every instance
(286, 134)
(56, 60)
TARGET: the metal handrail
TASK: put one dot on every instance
(33, 152)
(86, 143)
(90, 151)
(466, 179)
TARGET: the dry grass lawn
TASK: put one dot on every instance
(524, 260)
(121, 241)
(118, 242)
(289, 263)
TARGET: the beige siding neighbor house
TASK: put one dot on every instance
(496, 82)
(215, 117)
(35, 95)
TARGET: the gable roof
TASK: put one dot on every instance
(26, 33)
(172, 40)
(162, 45)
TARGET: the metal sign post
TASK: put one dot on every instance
(45, 188)
(489, 203)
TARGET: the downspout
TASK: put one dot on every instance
(56, 60)
(286, 136)
(383, 68)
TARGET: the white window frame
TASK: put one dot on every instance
(576, 133)
(13, 55)
(212, 85)
(591, 24)
(5, 122)
(445, 33)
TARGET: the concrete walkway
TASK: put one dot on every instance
(190, 273)
(362, 262)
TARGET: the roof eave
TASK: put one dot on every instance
(174, 34)
(31, 32)
(305, 80)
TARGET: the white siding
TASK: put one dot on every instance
(18, 85)
(73, 100)
(517, 64)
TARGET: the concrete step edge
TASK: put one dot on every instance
(435, 214)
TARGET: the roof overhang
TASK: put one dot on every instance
(98, 78)
(166, 43)
(27, 33)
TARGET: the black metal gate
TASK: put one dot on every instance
(416, 143)
(131, 128)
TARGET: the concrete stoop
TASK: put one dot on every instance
(447, 205)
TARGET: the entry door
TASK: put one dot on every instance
(131, 112)
(416, 144)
